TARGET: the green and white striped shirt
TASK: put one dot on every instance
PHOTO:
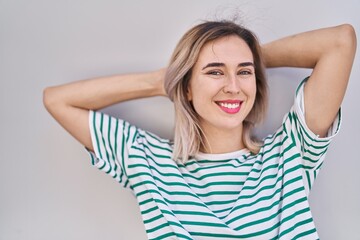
(235, 195)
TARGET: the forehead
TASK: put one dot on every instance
(229, 49)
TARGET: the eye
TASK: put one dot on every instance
(215, 73)
(245, 72)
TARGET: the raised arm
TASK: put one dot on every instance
(69, 104)
(330, 52)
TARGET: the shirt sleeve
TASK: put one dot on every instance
(311, 147)
(111, 138)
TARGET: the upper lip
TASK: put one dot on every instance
(229, 101)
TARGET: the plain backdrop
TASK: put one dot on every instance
(48, 188)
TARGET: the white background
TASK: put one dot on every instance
(49, 190)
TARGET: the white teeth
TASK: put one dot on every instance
(230, 105)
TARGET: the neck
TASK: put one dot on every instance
(222, 141)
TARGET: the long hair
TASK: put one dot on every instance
(188, 134)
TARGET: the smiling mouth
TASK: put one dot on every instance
(230, 106)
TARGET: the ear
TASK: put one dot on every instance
(189, 94)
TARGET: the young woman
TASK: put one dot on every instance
(215, 181)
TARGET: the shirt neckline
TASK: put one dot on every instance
(221, 156)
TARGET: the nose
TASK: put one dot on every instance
(231, 84)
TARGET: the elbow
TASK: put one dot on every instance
(49, 99)
(347, 37)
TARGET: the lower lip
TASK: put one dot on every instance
(230, 110)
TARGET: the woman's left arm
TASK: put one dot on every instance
(330, 53)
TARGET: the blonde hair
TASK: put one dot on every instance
(188, 134)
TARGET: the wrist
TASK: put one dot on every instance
(157, 78)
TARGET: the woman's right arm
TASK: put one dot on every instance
(70, 103)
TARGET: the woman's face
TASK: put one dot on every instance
(222, 87)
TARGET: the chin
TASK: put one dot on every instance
(233, 126)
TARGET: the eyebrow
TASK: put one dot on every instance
(219, 64)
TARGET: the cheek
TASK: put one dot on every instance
(196, 91)
(201, 98)
(253, 90)
(249, 88)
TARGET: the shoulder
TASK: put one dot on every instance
(153, 141)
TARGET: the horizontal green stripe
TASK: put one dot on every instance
(205, 224)
(164, 165)
(300, 235)
(216, 174)
(215, 235)
(264, 208)
(297, 224)
(279, 190)
(149, 210)
(167, 149)
(167, 201)
(146, 173)
(153, 219)
(221, 211)
(146, 201)
(169, 234)
(166, 224)
(195, 213)
(307, 159)
(150, 230)
(150, 151)
(166, 235)
(314, 154)
(268, 219)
